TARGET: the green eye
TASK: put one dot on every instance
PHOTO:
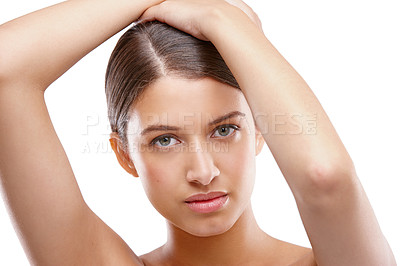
(165, 141)
(226, 130)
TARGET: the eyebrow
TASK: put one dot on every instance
(152, 128)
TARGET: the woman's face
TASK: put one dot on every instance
(194, 137)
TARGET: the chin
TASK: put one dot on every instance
(209, 227)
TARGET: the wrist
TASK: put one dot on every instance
(224, 22)
(135, 7)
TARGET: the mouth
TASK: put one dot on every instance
(207, 203)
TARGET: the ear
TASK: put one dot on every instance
(259, 141)
(122, 156)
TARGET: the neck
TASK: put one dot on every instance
(244, 240)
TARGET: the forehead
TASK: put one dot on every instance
(174, 101)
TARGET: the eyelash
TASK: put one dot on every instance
(230, 126)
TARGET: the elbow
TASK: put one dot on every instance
(328, 184)
(391, 260)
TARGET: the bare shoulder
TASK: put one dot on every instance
(153, 258)
(295, 255)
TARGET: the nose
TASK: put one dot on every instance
(201, 169)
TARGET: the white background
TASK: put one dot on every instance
(347, 51)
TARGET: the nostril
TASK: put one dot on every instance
(203, 176)
(201, 168)
(217, 172)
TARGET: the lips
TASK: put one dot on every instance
(207, 203)
(205, 197)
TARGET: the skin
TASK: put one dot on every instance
(55, 225)
(171, 174)
(214, 168)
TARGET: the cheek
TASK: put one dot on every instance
(238, 165)
(159, 175)
(240, 156)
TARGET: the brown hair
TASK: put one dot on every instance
(148, 51)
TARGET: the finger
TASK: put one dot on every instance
(153, 13)
(166, 12)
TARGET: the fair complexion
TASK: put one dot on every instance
(53, 222)
(196, 158)
(333, 206)
(55, 225)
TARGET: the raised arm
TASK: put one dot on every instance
(53, 222)
(335, 211)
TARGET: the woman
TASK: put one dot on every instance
(206, 200)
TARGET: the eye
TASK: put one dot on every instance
(226, 130)
(164, 141)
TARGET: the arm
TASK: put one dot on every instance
(54, 224)
(335, 211)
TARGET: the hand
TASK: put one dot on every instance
(192, 16)
(248, 10)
